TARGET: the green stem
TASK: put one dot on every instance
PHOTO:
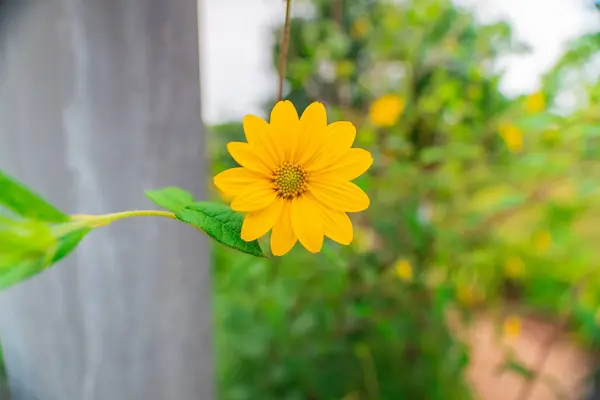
(105, 219)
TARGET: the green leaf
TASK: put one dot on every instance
(68, 242)
(432, 155)
(67, 238)
(18, 198)
(220, 223)
(515, 366)
(172, 198)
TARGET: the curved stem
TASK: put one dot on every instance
(285, 41)
(105, 219)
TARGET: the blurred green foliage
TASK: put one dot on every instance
(478, 200)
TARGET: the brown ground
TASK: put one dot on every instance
(565, 368)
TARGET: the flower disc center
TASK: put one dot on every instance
(290, 180)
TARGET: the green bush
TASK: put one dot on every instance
(477, 199)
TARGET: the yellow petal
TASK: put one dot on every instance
(236, 180)
(339, 137)
(283, 114)
(386, 110)
(255, 128)
(259, 135)
(342, 196)
(245, 155)
(352, 165)
(313, 124)
(258, 223)
(307, 223)
(284, 129)
(404, 270)
(256, 197)
(337, 225)
(283, 237)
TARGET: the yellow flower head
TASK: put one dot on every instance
(465, 294)
(386, 110)
(512, 327)
(469, 295)
(512, 136)
(535, 103)
(360, 28)
(404, 270)
(542, 241)
(294, 178)
(514, 267)
(345, 68)
(550, 135)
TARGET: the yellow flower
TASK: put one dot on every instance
(386, 110)
(294, 178)
(542, 241)
(404, 270)
(550, 135)
(512, 136)
(535, 103)
(466, 295)
(473, 92)
(451, 43)
(512, 327)
(514, 267)
(360, 28)
(345, 68)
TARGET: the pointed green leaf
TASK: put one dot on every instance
(221, 223)
(18, 198)
(68, 242)
(172, 198)
(21, 265)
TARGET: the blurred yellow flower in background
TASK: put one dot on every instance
(550, 135)
(451, 43)
(514, 267)
(512, 327)
(535, 103)
(386, 110)
(512, 136)
(473, 92)
(360, 28)
(403, 270)
(542, 241)
(294, 178)
(467, 295)
(345, 68)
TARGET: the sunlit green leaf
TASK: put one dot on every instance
(172, 198)
(18, 198)
(221, 223)
(49, 248)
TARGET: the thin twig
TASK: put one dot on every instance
(337, 11)
(285, 41)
